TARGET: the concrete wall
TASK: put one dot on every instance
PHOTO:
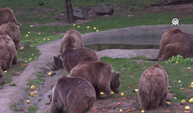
(133, 35)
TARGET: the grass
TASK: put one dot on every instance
(14, 106)
(32, 109)
(130, 77)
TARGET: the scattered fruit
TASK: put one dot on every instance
(183, 102)
(88, 27)
(97, 30)
(32, 94)
(33, 87)
(74, 24)
(142, 111)
(191, 100)
(35, 92)
(112, 93)
(136, 90)
(177, 62)
(122, 94)
(187, 108)
(179, 81)
(28, 101)
(22, 47)
(94, 27)
(39, 33)
(101, 93)
(78, 26)
(49, 73)
(120, 110)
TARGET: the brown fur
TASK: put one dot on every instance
(71, 57)
(1, 76)
(8, 53)
(7, 15)
(175, 42)
(72, 39)
(153, 87)
(100, 74)
(13, 31)
(76, 94)
(57, 63)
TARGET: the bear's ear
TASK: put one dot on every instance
(118, 73)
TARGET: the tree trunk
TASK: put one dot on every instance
(69, 10)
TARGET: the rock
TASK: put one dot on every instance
(60, 17)
(78, 13)
(104, 10)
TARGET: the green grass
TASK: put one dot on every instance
(134, 69)
(14, 106)
(32, 109)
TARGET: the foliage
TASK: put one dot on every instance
(178, 59)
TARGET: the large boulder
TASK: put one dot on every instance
(104, 10)
(78, 13)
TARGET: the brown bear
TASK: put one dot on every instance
(100, 74)
(75, 94)
(13, 31)
(70, 58)
(153, 87)
(73, 39)
(1, 76)
(57, 63)
(7, 15)
(175, 42)
(8, 53)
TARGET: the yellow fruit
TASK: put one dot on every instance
(191, 83)
(22, 47)
(74, 24)
(97, 30)
(168, 103)
(101, 93)
(49, 73)
(32, 94)
(183, 101)
(33, 87)
(187, 108)
(177, 62)
(88, 27)
(78, 26)
(112, 93)
(122, 94)
(39, 33)
(35, 92)
(142, 111)
(191, 86)
(136, 90)
(28, 101)
(191, 100)
(94, 27)
(120, 110)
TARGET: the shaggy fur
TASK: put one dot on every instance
(70, 57)
(72, 39)
(13, 31)
(7, 15)
(57, 63)
(76, 94)
(100, 74)
(1, 76)
(153, 87)
(175, 42)
(8, 53)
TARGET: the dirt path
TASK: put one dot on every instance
(12, 94)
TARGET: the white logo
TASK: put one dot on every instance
(175, 21)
